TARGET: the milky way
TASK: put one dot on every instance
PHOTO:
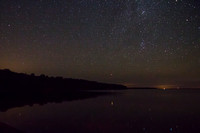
(137, 42)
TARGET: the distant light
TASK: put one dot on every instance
(111, 103)
(171, 129)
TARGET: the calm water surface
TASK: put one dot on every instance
(139, 111)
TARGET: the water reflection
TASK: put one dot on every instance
(139, 111)
(4, 128)
(12, 100)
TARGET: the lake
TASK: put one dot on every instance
(126, 111)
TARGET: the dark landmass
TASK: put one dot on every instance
(20, 82)
(19, 89)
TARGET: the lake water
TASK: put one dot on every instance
(127, 111)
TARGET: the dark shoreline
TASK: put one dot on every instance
(19, 89)
(16, 82)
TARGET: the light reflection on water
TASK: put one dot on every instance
(145, 111)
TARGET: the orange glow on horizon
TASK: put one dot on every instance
(164, 87)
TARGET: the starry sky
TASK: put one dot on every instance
(131, 42)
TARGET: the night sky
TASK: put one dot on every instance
(132, 42)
